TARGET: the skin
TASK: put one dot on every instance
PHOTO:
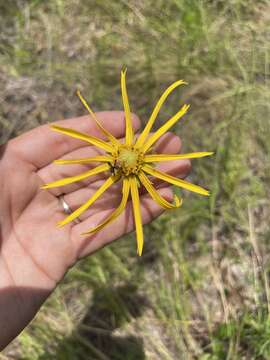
(34, 253)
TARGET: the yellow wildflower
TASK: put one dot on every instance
(130, 162)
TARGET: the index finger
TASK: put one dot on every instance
(41, 145)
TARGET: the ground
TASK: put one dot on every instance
(201, 289)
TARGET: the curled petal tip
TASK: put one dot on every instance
(177, 201)
(78, 93)
(204, 192)
(183, 82)
(139, 252)
(208, 153)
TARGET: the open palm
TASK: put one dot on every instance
(34, 252)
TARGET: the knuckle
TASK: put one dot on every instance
(135, 120)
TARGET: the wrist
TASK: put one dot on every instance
(18, 303)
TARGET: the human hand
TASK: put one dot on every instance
(34, 252)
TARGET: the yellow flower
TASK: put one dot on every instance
(130, 162)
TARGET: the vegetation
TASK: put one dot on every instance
(201, 288)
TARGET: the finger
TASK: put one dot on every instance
(86, 245)
(169, 143)
(54, 172)
(108, 200)
(42, 145)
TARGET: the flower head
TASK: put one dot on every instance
(130, 162)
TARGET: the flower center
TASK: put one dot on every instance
(127, 160)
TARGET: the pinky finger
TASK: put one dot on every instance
(86, 245)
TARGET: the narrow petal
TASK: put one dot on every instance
(116, 212)
(137, 213)
(129, 130)
(163, 129)
(72, 179)
(93, 115)
(85, 137)
(101, 158)
(155, 195)
(167, 157)
(111, 180)
(148, 127)
(175, 181)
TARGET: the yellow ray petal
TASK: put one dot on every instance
(148, 127)
(163, 129)
(167, 157)
(75, 178)
(101, 158)
(93, 115)
(85, 137)
(175, 181)
(116, 212)
(111, 180)
(129, 130)
(155, 195)
(137, 213)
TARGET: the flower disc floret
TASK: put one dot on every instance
(127, 160)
